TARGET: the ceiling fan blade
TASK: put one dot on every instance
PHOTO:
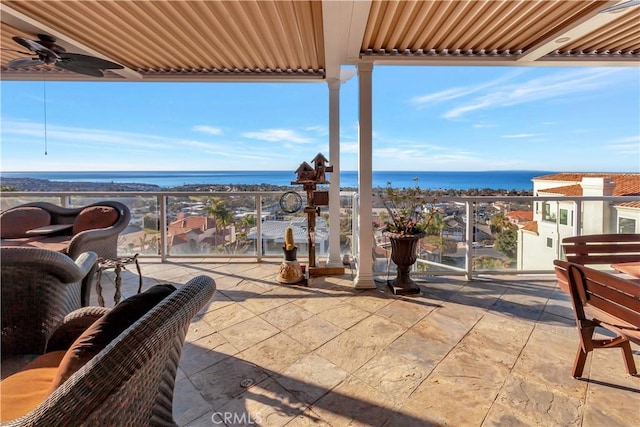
(24, 62)
(86, 61)
(621, 6)
(47, 55)
(80, 69)
(16, 51)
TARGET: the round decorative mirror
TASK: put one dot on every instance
(291, 202)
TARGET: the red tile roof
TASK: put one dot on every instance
(520, 215)
(193, 222)
(531, 226)
(629, 204)
(568, 190)
(627, 184)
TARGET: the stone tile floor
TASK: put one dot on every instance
(496, 351)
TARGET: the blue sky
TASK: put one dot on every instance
(424, 118)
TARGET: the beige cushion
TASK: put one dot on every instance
(23, 391)
(14, 223)
(95, 217)
(55, 243)
(106, 329)
(20, 241)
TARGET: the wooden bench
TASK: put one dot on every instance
(600, 249)
(606, 300)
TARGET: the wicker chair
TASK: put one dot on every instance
(39, 287)
(130, 382)
(102, 241)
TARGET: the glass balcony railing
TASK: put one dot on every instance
(512, 234)
(207, 224)
(475, 235)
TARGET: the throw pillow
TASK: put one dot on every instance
(95, 217)
(14, 223)
(106, 329)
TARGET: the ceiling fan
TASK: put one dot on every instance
(620, 6)
(48, 52)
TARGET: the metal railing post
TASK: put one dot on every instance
(578, 225)
(468, 255)
(355, 252)
(259, 253)
(162, 202)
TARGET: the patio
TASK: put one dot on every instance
(493, 351)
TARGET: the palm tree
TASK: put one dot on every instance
(434, 233)
(499, 223)
(248, 221)
(436, 225)
(218, 210)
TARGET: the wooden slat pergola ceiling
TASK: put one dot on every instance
(297, 40)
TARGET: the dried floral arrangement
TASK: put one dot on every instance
(409, 209)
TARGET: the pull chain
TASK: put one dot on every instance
(44, 87)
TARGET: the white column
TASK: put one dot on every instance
(364, 276)
(334, 259)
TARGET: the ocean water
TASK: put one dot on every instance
(459, 180)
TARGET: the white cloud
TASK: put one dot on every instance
(211, 130)
(626, 146)
(441, 96)
(483, 125)
(319, 129)
(85, 136)
(558, 85)
(278, 135)
(349, 147)
(84, 140)
(520, 135)
(634, 139)
(419, 154)
(459, 92)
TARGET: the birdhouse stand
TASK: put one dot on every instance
(309, 177)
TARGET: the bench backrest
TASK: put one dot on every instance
(607, 298)
(602, 248)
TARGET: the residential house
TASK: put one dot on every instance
(273, 235)
(197, 234)
(539, 240)
(519, 218)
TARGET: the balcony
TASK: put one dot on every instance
(484, 348)
(463, 353)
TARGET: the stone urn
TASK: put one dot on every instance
(403, 255)
(290, 270)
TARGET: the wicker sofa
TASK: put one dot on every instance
(130, 380)
(72, 231)
(39, 287)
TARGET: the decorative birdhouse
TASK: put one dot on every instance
(320, 162)
(305, 173)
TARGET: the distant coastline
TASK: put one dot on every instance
(461, 181)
